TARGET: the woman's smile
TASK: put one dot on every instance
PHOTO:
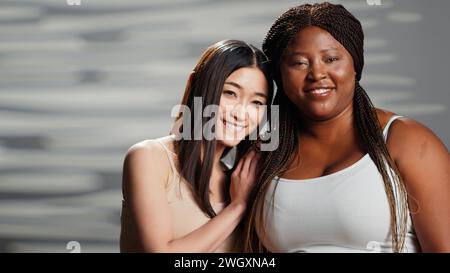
(230, 126)
(319, 93)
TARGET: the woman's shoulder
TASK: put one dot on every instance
(405, 134)
(145, 148)
(153, 147)
(402, 126)
(151, 154)
(384, 116)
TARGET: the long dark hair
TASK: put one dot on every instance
(346, 29)
(195, 157)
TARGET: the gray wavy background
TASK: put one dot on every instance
(80, 84)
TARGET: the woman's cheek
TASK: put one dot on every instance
(256, 116)
(293, 81)
(224, 101)
(226, 106)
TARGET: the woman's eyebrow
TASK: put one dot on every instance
(291, 54)
(233, 84)
(260, 94)
(328, 49)
(304, 53)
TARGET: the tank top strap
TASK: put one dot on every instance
(388, 125)
(171, 183)
(175, 188)
(169, 153)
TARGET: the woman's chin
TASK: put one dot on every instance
(320, 113)
(230, 141)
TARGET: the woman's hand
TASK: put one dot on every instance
(243, 178)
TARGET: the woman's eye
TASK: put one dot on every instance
(258, 103)
(229, 93)
(300, 63)
(331, 59)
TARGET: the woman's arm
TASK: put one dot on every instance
(144, 180)
(423, 161)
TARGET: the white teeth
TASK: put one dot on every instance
(233, 127)
(319, 91)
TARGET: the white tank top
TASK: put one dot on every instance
(346, 211)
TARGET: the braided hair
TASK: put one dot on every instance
(347, 30)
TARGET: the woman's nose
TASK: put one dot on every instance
(317, 71)
(239, 112)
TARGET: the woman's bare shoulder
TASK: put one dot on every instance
(148, 156)
(401, 126)
(406, 134)
(149, 148)
(152, 147)
(409, 137)
(411, 132)
(383, 116)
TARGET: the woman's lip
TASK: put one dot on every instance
(238, 126)
(319, 88)
(320, 92)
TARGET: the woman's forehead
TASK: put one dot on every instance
(313, 37)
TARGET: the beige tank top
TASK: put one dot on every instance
(186, 215)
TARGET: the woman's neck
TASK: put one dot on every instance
(330, 130)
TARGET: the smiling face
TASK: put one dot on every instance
(318, 74)
(242, 105)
